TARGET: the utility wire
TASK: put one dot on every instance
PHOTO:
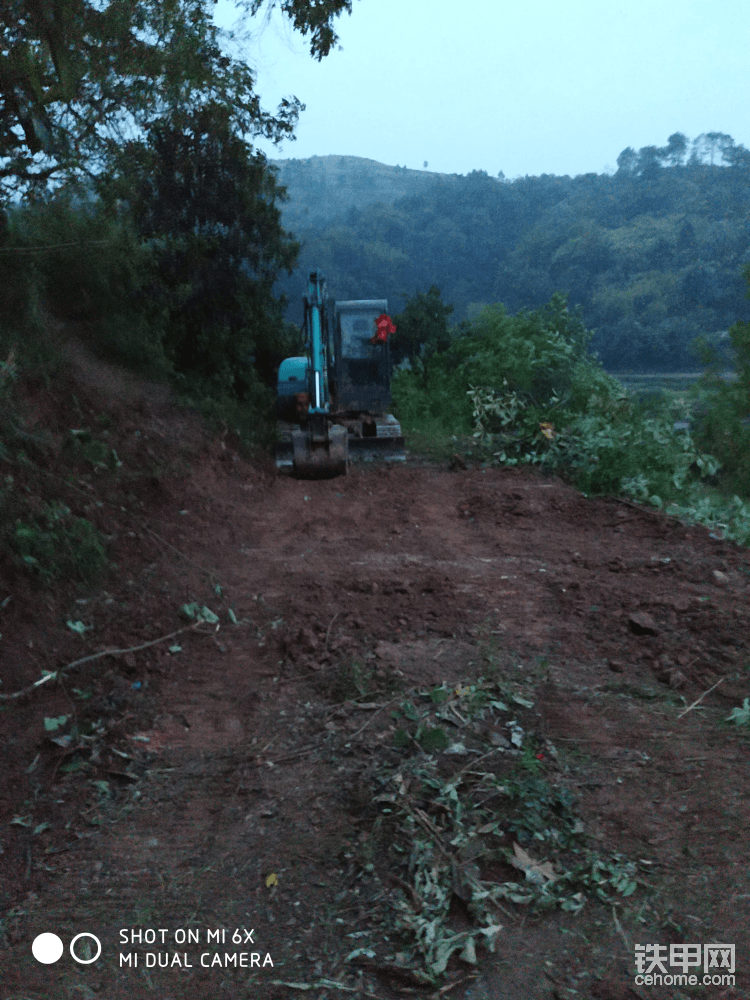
(54, 246)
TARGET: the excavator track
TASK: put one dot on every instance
(352, 440)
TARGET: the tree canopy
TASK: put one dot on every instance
(127, 120)
(77, 77)
(207, 206)
(422, 326)
(653, 253)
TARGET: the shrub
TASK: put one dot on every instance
(533, 395)
(56, 543)
(723, 425)
(537, 357)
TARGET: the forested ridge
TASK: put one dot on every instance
(653, 254)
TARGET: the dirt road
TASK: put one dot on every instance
(231, 778)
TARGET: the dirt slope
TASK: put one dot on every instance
(225, 778)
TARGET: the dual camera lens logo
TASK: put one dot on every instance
(48, 948)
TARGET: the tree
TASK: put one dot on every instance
(422, 327)
(649, 162)
(75, 78)
(627, 161)
(715, 144)
(313, 17)
(675, 150)
(207, 204)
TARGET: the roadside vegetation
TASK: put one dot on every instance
(163, 254)
(524, 390)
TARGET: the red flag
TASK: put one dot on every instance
(383, 327)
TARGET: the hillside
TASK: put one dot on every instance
(323, 187)
(653, 255)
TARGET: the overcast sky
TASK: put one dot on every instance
(522, 86)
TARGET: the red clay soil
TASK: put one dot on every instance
(220, 778)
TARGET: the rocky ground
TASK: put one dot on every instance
(425, 731)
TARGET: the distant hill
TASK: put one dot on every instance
(322, 187)
(653, 255)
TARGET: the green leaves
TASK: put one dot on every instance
(317, 20)
(197, 613)
(740, 716)
(56, 543)
(422, 326)
(206, 202)
(432, 740)
(51, 725)
(78, 627)
(73, 73)
(410, 711)
(439, 694)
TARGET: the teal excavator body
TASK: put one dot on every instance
(332, 403)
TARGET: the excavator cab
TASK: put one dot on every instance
(362, 369)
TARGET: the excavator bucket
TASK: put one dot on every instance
(320, 455)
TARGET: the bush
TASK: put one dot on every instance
(538, 356)
(56, 544)
(422, 326)
(723, 425)
(69, 256)
(533, 395)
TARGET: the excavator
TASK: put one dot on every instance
(331, 403)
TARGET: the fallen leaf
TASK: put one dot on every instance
(78, 627)
(740, 716)
(536, 871)
(54, 723)
(520, 700)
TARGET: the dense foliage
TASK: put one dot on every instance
(422, 326)
(146, 215)
(206, 206)
(653, 253)
(529, 393)
(724, 412)
(536, 361)
(76, 76)
(133, 205)
(134, 201)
